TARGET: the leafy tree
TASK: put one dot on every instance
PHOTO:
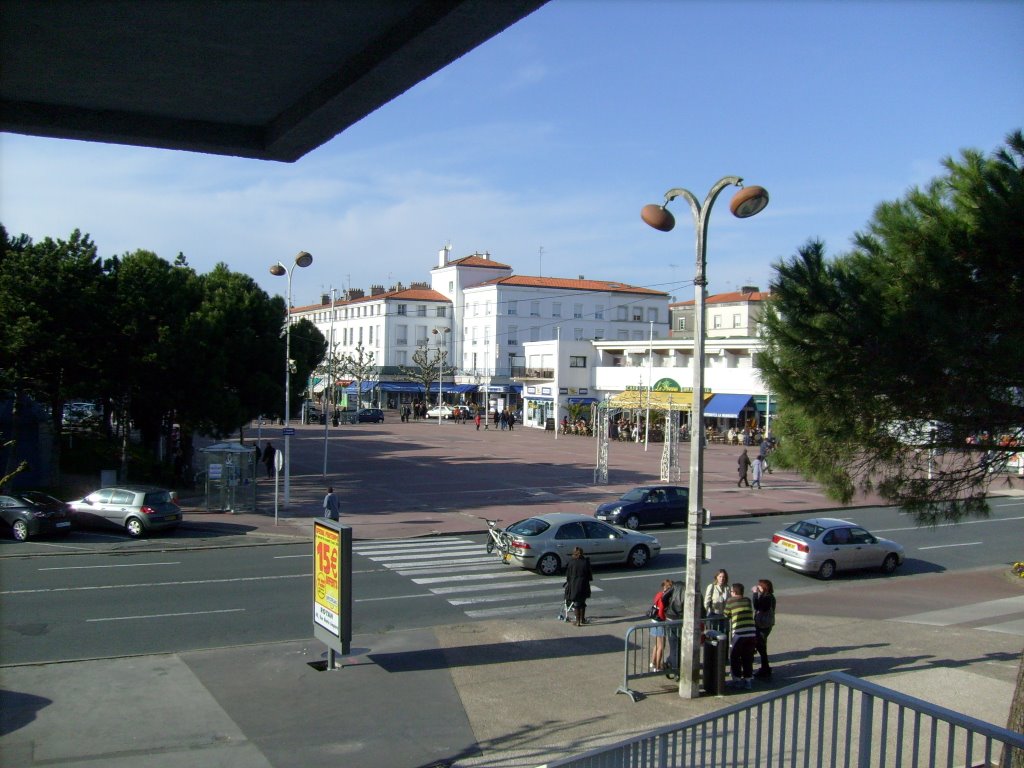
(308, 349)
(238, 352)
(53, 320)
(150, 363)
(359, 365)
(425, 365)
(899, 366)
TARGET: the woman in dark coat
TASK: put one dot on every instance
(577, 584)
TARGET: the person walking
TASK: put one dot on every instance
(332, 507)
(742, 467)
(511, 420)
(578, 576)
(742, 637)
(659, 606)
(763, 598)
(268, 458)
(477, 421)
(716, 594)
(757, 466)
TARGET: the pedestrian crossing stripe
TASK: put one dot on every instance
(461, 572)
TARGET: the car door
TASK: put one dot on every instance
(678, 505)
(116, 510)
(568, 537)
(604, 542)
(840, 548)
(865, 552)
(655, 508)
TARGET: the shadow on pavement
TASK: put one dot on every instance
(19, 709)
(496, 653)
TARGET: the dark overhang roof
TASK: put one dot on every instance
(269, 79)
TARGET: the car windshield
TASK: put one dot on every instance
(637, 494)
(530, 527)
(806, 529)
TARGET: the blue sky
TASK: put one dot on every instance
(554, 134)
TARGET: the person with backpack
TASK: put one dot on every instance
(763, 597)
(657, 613)
(673, 635)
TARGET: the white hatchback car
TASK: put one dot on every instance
(825, 545)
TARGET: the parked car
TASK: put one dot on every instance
(32, 514)
(647, 505)
(825, 545)
(372, 415)
(137, 509)
(446, 412)
(545, 543)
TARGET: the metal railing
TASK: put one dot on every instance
(831, 720)
(640, 644)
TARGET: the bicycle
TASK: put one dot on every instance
(496, 538)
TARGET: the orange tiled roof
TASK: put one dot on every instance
(475, 260)
(726, 298)
(409, 294)
(572, 284)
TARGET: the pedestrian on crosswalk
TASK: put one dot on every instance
(332, 507)
(578, 576)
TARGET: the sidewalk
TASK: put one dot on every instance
(483, 693)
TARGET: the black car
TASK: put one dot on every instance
(372, 415)
(32, 514)
(647, 505)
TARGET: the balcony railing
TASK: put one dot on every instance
(832, 720)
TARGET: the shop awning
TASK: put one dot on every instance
(401, 386)
(461, 389)
(762, 404)
(582, 400)
(636, 399)
(727, 406)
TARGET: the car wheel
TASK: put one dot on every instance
(632, 522)
(20, 530)
(890, 563)
(639, 556)
(549, 564)
(827, 570)
(490, 545)
(134, 527)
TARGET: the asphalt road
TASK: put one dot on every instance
(127, 599)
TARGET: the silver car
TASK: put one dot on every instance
(546, 542)
(825, 545)
(136, 509)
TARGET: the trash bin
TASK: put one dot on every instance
(716, 651)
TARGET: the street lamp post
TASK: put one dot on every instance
(747, 202)
(440, 333)
(302, 259)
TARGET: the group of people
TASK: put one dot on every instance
(749, 621)
(759, 465)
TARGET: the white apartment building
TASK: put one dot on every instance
(490, 313)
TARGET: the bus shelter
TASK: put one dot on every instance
(229, 470)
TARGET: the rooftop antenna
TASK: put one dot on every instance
(540, 261)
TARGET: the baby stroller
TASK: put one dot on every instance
(568, 612)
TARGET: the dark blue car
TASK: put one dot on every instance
(647, 505)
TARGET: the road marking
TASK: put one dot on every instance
(950, 525)
(967, 613)
(519, 596)
(519, 610)
(286, 557)
(475, 588)
(945, 546)
(470, 577)
(1009, 627)
(119, 565)
(167, 615)
(155, 584)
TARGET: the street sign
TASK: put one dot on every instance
(278, 460)
(287, 431)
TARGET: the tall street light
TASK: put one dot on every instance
(747, 202)
(302, 259)
(440, 333)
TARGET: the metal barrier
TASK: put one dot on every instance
(639, 644)
(832, 720)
